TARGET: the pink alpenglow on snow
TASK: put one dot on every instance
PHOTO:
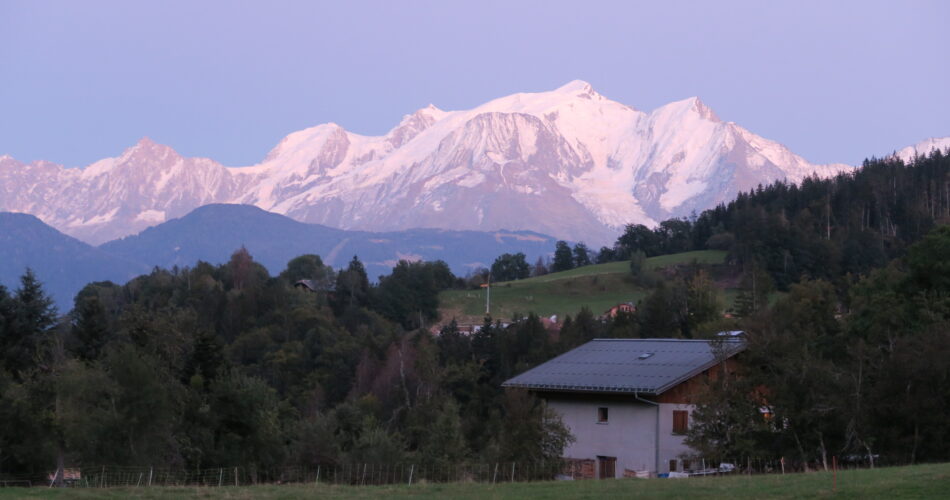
(569, 162)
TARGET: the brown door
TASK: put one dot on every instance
(607, 467)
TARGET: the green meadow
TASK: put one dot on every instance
(892, 483)
(597, 287)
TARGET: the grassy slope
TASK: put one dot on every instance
(598, 287)
(919, 481)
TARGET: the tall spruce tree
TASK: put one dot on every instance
(563, 257)
(30, 329)
(581, 255)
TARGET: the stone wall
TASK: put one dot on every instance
(580, 468)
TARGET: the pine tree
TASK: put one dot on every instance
(206, 361)
(563, 257)
(581, 255)
(90, 327)
(29, 333)
(352, 287)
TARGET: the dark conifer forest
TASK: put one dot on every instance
(844, 295)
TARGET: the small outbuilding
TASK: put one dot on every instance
(622, 308)
(628, 401)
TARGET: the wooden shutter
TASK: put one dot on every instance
(680, 421)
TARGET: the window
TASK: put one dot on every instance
(673, 465)
(685, 465)
(602, 415)
(680, 421)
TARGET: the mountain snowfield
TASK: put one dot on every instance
(923, 148)
(569, 163)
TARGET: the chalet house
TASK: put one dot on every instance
(315, 286)
(628, 401)
(625, 307)
(308, 285)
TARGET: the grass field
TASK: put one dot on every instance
(597, 287)
(918, 481)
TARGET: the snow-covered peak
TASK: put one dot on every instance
(923, 148)
(429, 113)
(147, 150)
(574, 87)
(304, 141)
(704, 111)
(433, 111)
(690, 106)
(414, 124)
(9, 161)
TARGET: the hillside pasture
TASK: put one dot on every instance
(597, 287)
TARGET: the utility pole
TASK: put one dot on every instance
(487, 287)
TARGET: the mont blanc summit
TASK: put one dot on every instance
(569, 162)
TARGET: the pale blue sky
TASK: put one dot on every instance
(835, 81)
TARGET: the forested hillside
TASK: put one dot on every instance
(216, 365)
(822, 228)
(870, 383)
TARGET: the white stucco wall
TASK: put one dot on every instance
(629, 435)
(671, 445)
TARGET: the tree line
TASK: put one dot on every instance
(226, 365)
(833, 229)
(866, 379)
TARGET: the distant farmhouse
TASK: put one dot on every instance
(308, 285)
(315, 286)
(622, 308)
(628, 401)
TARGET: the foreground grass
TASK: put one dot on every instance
(596, 287)
(919, 481)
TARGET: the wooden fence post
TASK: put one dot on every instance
(834, 466)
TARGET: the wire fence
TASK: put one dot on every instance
(356, 474)
(361, 474)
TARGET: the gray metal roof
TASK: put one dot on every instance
(646, 366)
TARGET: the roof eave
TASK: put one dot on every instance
(582, 389)
(697, 371)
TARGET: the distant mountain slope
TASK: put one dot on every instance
(568, 162)
(64, 264)
(213, 232)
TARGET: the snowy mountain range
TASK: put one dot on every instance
(569, 163)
